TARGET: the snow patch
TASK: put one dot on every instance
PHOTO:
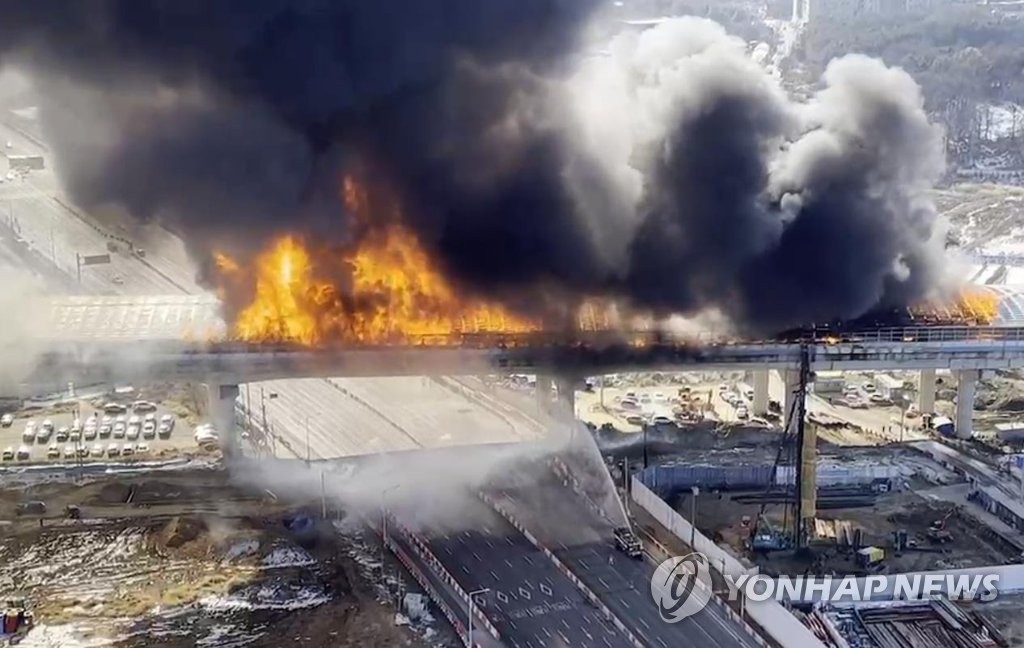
(287, 557)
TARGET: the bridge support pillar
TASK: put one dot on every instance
(967, 383)
(791, 379)
(543, 392)
(760, 381)
(926, 391)
(567, 393)
(222, 414)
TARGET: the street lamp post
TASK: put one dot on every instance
(469, 611)
(384, 525)
(695, 491)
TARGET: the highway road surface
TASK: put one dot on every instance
(530, 602)
(583, 541)
(351, 417)
(44, 217)
(448, 595)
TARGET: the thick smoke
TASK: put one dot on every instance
(541, 163)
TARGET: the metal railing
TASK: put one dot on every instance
(597, 339)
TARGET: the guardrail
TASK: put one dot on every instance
(568, 573)
(601, 340)
(426, 555)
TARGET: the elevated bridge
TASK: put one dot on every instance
(118, 340)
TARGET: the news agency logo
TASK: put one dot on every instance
(681, 586)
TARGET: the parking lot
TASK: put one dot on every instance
(83, 431)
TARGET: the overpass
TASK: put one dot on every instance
(967, 350)
(117, 339)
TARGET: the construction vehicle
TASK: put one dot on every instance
(937, 532)
(628, 543)
(766, 537)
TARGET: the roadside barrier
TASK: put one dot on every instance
(580, 585)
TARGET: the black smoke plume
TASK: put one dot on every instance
(541, 159)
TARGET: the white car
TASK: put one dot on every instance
(82, 451)
(7, 420)
(29, 434)
(119, 430)
(48, 424)
(24, 453)
(133, 432)
(97, 450)
(69, 452)
(149, 429)
(113, 450)
(134, 420)
(53, 452)
(168, 420)
(128, 450)
(90, 432)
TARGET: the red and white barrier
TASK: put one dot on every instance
(580, 585)
(427, 556)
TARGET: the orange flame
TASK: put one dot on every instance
(971, 305)
(394, 292)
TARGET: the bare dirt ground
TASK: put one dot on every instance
(186, 559)
(971, 545)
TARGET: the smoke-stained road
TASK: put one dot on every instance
(583, 540)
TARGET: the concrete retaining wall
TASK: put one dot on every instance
(774, 620)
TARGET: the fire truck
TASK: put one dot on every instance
(628, 543)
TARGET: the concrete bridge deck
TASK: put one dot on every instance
(967, 347)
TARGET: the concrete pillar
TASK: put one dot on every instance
(567, 393)
(967, 382)
(760, 381)
(791, 380)
(926, 391)
(543, 392)
(222, 414)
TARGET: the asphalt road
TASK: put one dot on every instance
(583, 541)
(450, 599)
(531, 603)
(44, 218)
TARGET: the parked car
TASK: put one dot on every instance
(97, 450)
(90, 433)
(133, 432)
(149, 429)
(141, 406)
(69, 452)
(114, 408)
(53, 452)
(113, 450)
(128, 450)
(142, 448)
(28, 435)
(7, 454)
(119, 429)
(24, 453)
(48, 424)
(164, 431)
(7, 420)
(105, 430)
(167, 419)
(63, 434)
